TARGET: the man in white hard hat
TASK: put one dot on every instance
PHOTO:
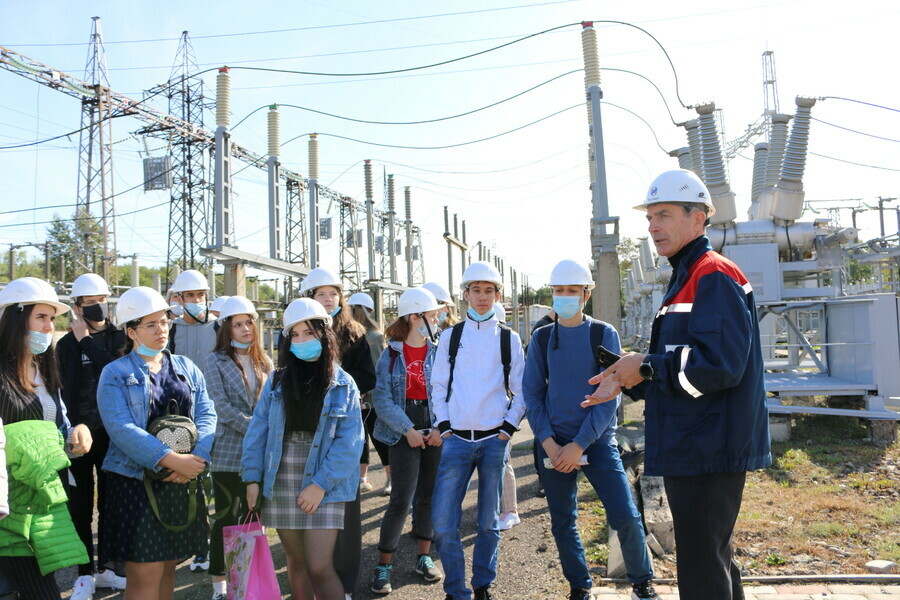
(571, 439)
(477, 396)
(92, 343)
(193, 335)
(706, 416)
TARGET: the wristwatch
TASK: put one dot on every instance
(646, 369)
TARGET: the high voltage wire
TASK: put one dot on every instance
(859, 102)
(484, 139)
(871, 135)
(850, 162)
(435, 120)
(310, 27)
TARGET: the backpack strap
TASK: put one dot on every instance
(455, 336)
(393, 354)
(506, 355)
(172, 338)
(598, 332)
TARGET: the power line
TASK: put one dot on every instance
(871, 135)
(308, 28)
(859, 102)
(21, 210)
(422, 122)
(484, 139)
(850, 162)
(478, 172)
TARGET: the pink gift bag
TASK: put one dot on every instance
(248, 562)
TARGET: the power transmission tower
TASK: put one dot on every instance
(770, 89)
(189, 208)
(95, 179)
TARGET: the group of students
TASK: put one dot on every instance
(440, 398)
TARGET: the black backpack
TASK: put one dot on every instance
(598, 329)
(505, 353)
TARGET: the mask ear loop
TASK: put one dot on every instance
(427, 326)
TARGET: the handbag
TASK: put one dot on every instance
(249, 568)
(180, 434)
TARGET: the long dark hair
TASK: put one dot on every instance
(346, 329)
(361, 315)
(304, 383)
(258, 358)
(18, 397)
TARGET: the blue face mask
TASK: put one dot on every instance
(39, 342)
(335, 312)
(195, 309)
(479, 318)
(308, 351)
(442, 316)
(566, 306)
(145, 350)
(241, 345)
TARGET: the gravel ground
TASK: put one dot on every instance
(528, 566)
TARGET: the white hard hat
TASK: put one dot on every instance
(303, 309)
(89, 284)
(440, 292)
(30, 290)
(319, 277)
(236, 305)
(481, 271)
(218, 303)
(138, 302)
(571, 272)
(361, 299)
(678, 186)
(189, 280)
(499, 312)
(415, 301)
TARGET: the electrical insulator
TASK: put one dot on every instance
(367, 169)
(274, 131)
(777, 141)
(223, 98)
(591, 59)
(710, 150)
(390, 193)
(593, 175)
(408, 203)
(684, 158)
(693, 134)
(760, 154)
(794, 162)
(313, 156)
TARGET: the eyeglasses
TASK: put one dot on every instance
(153, 325)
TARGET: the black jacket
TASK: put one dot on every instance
(357, 361)
(80, 365)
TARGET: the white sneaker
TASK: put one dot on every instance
(509, 520)
(83, 588)
(364, 484)
(200, 563)
(109, 579)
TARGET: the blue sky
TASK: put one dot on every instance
(525, 194)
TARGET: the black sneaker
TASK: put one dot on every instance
(643, 591)
(580, 594)
(483, 593)
(425, 567)
(381, 580)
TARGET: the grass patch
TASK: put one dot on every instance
(830, 530)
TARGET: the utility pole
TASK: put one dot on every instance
(274, 181)
(881, 203)
(188, 206)
(313, 201)
(370, 218)
(409, 238)
(453, 241)
(604, 228)
(95, 179)
(392, 229)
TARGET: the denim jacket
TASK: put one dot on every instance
(389, 395)
(333, 461)
(123, 397)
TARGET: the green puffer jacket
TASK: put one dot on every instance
(39, 524)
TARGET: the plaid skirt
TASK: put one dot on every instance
(281, 511)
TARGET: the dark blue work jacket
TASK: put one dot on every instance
(706, 404)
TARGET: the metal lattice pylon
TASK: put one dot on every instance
(95, 179)
(189, 206)
(418, 258)
(295, 245)
(350, 241)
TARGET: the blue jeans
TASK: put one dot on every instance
(605, 473)
(459, 459)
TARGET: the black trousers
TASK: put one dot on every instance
(416, 470)
(369, 416)
(348, 549)
(225, 485)
(81, 497)
(704, 511)
(23, 575)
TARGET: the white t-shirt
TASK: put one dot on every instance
(249, 373)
